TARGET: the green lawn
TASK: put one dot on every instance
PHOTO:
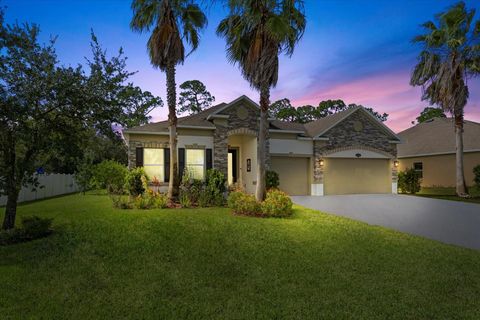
(449, 194)
(206, 263)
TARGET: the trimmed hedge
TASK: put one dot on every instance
(243, 203)
(276, 204)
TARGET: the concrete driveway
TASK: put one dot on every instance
(447, 221)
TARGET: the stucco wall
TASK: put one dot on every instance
(203, 141)
(286, 146)
(247, 146)
(440, 170)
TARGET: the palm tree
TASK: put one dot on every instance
(256, 32)
(450, 56)
(171, 22)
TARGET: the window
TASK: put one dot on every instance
(153, 163)
(418, 167)
(195, 163)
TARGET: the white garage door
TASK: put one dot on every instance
(293, 174)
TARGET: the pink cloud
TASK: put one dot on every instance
(390, 93)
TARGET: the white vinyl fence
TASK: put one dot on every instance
(53, 185)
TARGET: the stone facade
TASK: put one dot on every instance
(240, 116)
(358, 130)
(318, 146)
(220, 147)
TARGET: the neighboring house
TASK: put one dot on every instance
(349, 152)
(429, 147)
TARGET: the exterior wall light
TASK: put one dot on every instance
(395, 163)
(321, 162)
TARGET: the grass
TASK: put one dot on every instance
(449, 194)
(208, 264)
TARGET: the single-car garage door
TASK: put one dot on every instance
(351, 176)
(293, 174)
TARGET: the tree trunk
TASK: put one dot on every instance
(12, 188)
(262, 142)
(172, 120)
(461, 187)
(11, 208)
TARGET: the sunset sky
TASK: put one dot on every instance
(356, 50)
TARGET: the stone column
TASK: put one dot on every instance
(317, 185)
(394, 176)
(220, 148)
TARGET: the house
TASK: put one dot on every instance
(429, 148)
(348, 152)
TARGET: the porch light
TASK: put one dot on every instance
(321, 162)
(395, 163)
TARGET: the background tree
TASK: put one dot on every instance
(194, 97)
(47, 108)
(380, 116)
(307, 113)
(430, 113)
(171, 23)
(329, 107)
(450, 56)
(283, 110)
(256, 32)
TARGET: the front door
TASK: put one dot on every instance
(232, 166)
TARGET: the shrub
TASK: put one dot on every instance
(476, 173)
(11, 236)
(243, 203)
(84, 176)
(190, 190)
(121, 201)
(272, 180)
(36, 227)
(142, 202)
(151, 200)
(409, 181)
(136, 182)
(277, 204)
(109, 174)
(185, 200)
(213, 193)
(160, 200)
(32, 228)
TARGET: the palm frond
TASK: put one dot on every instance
(172, 21)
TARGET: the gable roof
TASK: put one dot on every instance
(284, 125)
(437, 137)
(313, 129)
(194, 120)
(321, 126)
(227, 105)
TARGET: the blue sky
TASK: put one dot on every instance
(355, 50)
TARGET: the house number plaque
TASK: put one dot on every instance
(249, 165)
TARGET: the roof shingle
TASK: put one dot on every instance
(437, 136)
